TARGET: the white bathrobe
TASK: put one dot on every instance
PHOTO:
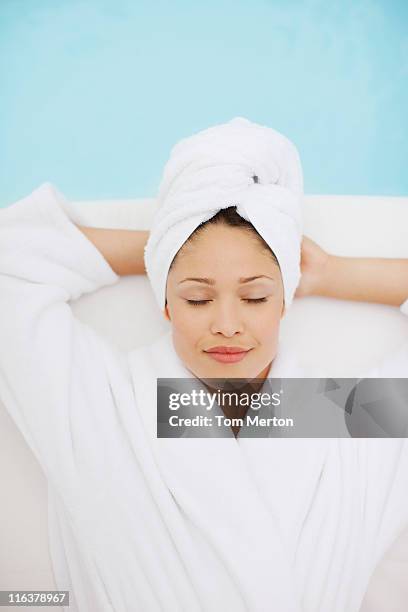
(140, 524)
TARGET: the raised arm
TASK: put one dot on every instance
(366, 279)
(122, 249)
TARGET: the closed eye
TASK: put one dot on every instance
(249, 301)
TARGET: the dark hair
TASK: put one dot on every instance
(230, 217)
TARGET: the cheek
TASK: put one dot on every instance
(186, 329)
(266, 328)
(268, 319)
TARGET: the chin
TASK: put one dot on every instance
(230, 370)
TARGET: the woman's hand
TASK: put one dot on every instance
(314, 264)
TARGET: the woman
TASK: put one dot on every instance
(141, 523)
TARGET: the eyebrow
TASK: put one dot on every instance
(211, 281)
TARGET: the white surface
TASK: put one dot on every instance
(337, 337)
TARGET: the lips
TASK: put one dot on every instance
(227, 350)
(227, 354)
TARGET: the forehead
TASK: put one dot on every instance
(222, 268)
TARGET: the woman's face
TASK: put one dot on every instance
(225, 258)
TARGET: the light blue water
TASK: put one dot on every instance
(94, 93)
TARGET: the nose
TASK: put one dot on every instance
(226, 319)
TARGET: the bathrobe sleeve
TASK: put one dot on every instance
(53, 372)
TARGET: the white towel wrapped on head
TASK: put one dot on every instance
(239, 163)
